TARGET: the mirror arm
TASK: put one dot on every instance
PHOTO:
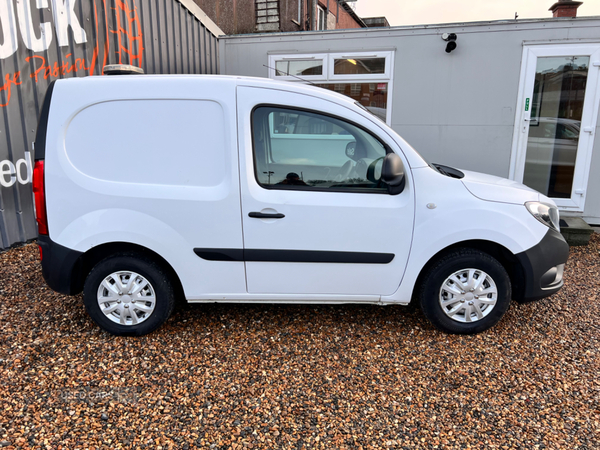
(392, 173)
(395, 190)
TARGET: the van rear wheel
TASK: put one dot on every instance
(465, 292)
(128, 294)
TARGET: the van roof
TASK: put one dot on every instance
(226, 79)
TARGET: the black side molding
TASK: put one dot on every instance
(220, 254)
(293, 256)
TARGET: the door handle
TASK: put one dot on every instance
(259, 215)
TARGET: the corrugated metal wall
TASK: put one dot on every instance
(43, 40)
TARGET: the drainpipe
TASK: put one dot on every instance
(313, 15)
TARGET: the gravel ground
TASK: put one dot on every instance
(291, 377)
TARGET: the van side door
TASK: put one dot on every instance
(317, 219)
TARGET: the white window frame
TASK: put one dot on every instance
(366, 55)
(328, 77)
(273, 59)
(321, 16)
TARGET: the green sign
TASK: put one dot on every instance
(527, 104)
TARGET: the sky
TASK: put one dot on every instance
(418, 12)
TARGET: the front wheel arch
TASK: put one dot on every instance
(467, 291)
(503, 255)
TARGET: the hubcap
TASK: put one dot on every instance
(126, 298)
(468, 295)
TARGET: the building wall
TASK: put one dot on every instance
(344, 19)
(232, 16)
(331, 21)
(241, 16)
(160, 36)
(455, 108)
(289, 12)
(250, 16)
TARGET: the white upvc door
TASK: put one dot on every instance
(557, 113)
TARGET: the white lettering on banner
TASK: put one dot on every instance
(32, 42)
(7, 168)
(8, 26)
(63, 12)
(11, 173)
(64, 17)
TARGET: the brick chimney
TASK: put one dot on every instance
(565, 8)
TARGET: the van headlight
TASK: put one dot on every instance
(545, 213)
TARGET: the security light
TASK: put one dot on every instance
(451, 39)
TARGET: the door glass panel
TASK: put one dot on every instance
(296, 149)
(555, 123)
(363, 66)
(299, 67)
(372, 96)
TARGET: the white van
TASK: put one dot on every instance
(231, 189)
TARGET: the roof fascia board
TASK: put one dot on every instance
(350, 11)
(202, 17)
(499, 25)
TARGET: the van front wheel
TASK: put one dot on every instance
(127, 294)
(465, 292)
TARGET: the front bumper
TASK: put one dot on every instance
(60, 266)
(543, 265)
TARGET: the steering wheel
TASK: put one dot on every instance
(360, 169)
(344, 171)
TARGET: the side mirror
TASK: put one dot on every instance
(392, 173)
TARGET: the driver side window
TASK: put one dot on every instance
(297, 149)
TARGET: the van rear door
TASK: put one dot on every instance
(316, 217)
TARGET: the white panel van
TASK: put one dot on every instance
(232, 189)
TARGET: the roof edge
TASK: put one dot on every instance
(421, 27)
(353, 14)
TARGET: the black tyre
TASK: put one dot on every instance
(128, 294)
(467, 291)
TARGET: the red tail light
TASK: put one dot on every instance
(40, 198)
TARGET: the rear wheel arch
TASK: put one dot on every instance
(89, 259)
(129, 294)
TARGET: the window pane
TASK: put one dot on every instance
(299, 67)
(353, 66)
(556, 110)
(372, 96)
(304, 150)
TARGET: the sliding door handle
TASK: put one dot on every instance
(259, 215)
